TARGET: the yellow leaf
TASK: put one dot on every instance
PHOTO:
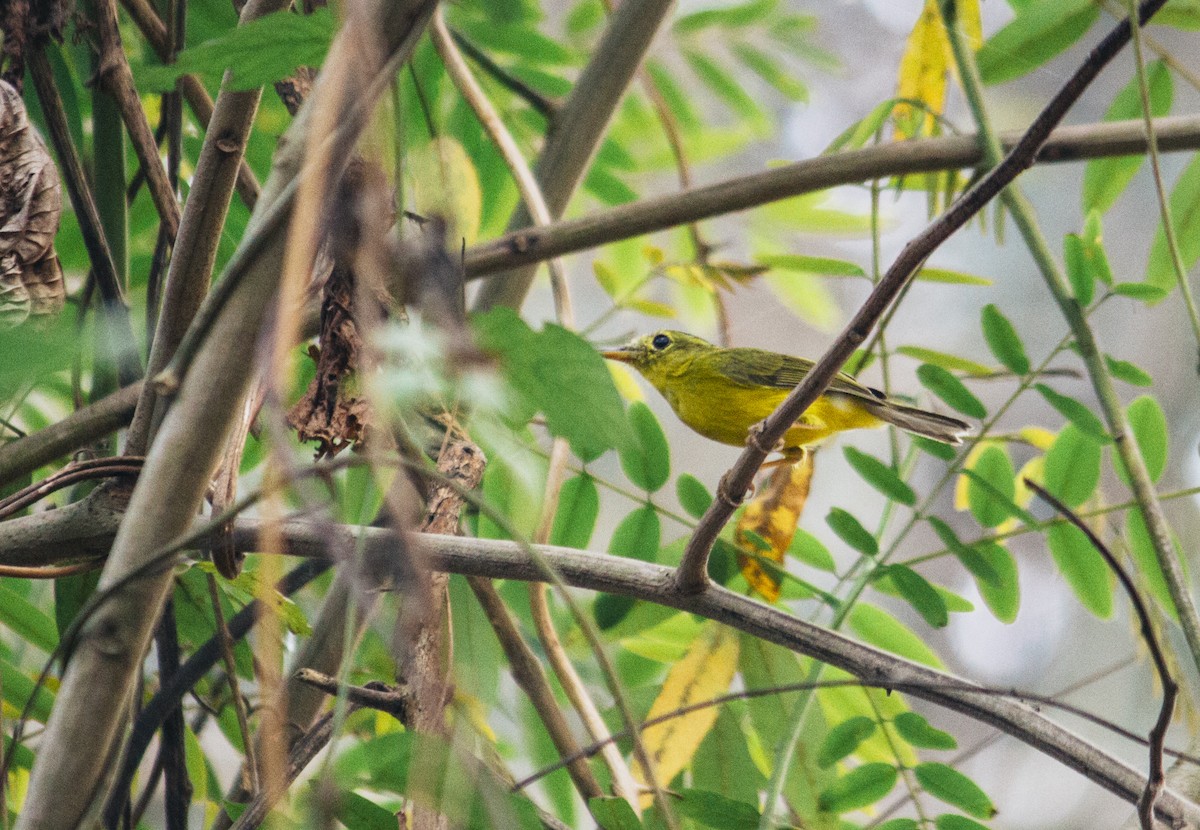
(923, 71)
(768, 523)
(704, 672)
(971, 24)
(445, 184)
(1039, 437)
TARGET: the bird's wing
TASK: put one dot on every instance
(756, 367)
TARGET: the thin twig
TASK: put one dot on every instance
(1156, 778)
(224, 639)
(1160, 189)
(535, 203)
(692, 574)
(115, 75)
(544, 106)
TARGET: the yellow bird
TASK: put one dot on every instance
(721, 393)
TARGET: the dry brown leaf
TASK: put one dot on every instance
(31, 280)
(704, 673)
(768, 523)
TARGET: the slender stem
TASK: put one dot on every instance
(1164, 203)
(1085, 339)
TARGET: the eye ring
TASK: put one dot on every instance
(660, 341)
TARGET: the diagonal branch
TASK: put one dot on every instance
(693, 569)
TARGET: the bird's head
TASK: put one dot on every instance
(660, 354)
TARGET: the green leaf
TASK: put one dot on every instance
(1075, 412)
(647, 460)
(1083, 566)
(256, 53)
(851, 531)
(578, 507)
(808, 549)
(733, 16)
(18, 688)
(1072, 466)
(518, 39)
(992, 488)
(917, 731)
(949, 362)
(725, 86)
(1130, 373)
(1106, 179)
(975, 562)
(1003, 340)
(559, 373)
(1037, 34)
(951, 390)
(860, 787)
(1141, 549)
(25, 620)
(950, 785)
(842, 740)
(937, 449)
(715, 810)
(1144, 291)
(952, 277)
(355, 811)
(766, 67)
(694, 497)
(880, 476)
(1083, 284)
(920, 594)
(882, 630)
(1004, 597)
(900, 824)
(613, 813)
(811, 265)
(638, 536)
(1185, 210)
(1149, 426)
(950, 821)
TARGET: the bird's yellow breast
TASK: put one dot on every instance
(719, 408)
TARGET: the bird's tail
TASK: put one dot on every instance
(920, 421)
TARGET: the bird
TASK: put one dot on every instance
(722, 392)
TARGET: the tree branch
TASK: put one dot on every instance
(692, 574)
(1074, 143)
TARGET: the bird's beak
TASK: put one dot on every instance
(625, 354)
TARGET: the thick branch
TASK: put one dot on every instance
(80, 428)
(1074, 143)
(68, 779)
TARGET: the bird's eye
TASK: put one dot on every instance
(660, 341)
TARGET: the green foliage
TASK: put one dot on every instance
(917, 731)
(714, 810)
(951, 786)
(881, 629)
(1083, 566)
(1003, 340)
(1149, 426)
(1041, 30)
(860, 787)
(693, 495)
(557, 373)
(1075, 412)
(613, 814)
(1185, 210)
(1073, 466)
(951, 390)
(646, 460)
(843, 740)
(851, 531)
(257, 53)
(920, 594)
(578, 508)
(880, 476)
(991, 487)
